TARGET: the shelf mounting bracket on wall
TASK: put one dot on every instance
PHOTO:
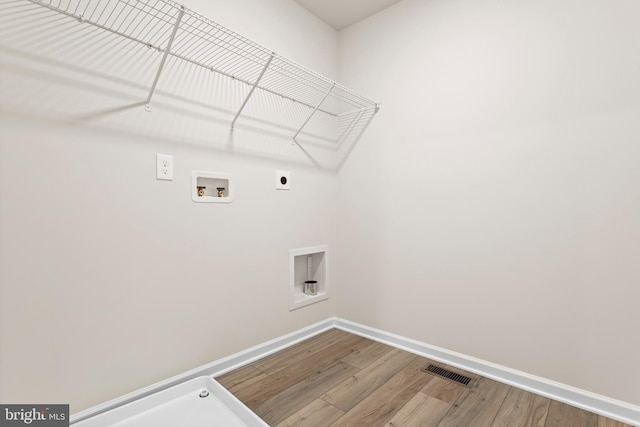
(164, 57)
(313, 112)
(253, 87)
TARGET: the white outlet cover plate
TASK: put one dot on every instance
(283, 180)
(164, 167)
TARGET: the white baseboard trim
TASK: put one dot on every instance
(212, 369)
(602, 405)
(583, 399)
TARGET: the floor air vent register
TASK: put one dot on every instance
(445, 373)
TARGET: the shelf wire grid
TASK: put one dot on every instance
(203, 42)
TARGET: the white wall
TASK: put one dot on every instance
(493, 206)
(109, 279)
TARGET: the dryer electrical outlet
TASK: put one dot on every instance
(283, 180)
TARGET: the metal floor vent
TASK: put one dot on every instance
(447, 374)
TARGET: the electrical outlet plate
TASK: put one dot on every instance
(164, 167)
(283, 180)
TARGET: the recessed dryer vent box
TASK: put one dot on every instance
(211, 187)
(308, 264)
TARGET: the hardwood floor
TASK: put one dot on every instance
(340, 379)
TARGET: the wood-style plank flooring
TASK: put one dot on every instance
(340, 379)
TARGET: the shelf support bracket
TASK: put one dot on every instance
(253, 87)
(313, 112)
(164, 57)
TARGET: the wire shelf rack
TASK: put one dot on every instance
(178, 32)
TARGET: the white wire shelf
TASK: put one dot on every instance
(176, 31)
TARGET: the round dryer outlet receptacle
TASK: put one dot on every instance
(283, 180)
